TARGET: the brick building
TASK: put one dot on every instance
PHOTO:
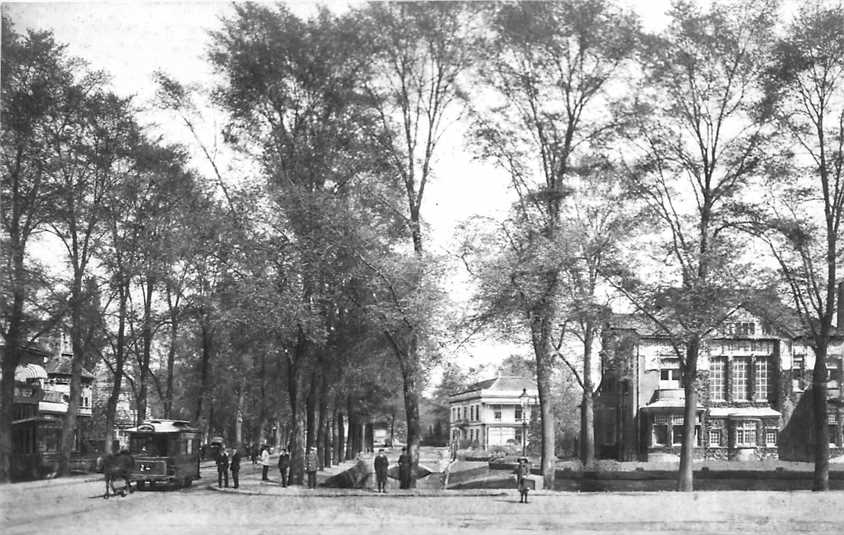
(751, 404)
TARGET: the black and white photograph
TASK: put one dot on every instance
(422, 267)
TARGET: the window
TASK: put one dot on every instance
(518, 413)
(740, 390)
(496, 409)
(798, 372)
(771, 437)
(518, 436)
(669, 373)
(677, 434)
(832, 425)
(714, 438)
(718, 379)
(762, 382)
(660, 431)
(746, 433)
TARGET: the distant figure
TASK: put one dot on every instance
(405, 464)
(381, 465)
(118, 466)
(522, 472)
(265, 462)
(311, 466)
(222, 468)
(234, 466)
(254, 453)
(283, 465)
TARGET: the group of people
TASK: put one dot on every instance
(230, 461)
(382, 466)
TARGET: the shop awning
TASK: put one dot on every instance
(25, 372)
(743, 412)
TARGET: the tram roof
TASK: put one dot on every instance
(163, 426)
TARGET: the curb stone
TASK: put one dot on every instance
(327, 493)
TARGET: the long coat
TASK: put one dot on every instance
(234, 464)
(381, 465)
(284, 461)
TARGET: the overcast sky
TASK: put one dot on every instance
(132, 40)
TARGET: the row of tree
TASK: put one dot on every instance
(301, 286)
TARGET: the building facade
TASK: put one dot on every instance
(751, 402)
(491, 413)
(42, 394)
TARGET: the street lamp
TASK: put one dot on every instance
(524, 399)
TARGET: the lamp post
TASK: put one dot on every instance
(524, 398)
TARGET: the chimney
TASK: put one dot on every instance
(840, 309)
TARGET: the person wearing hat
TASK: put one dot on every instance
(522, 472)
(234, 466)
(283, 465)
(405, 466)
(311, 466)
(222, 468)
(381, 466)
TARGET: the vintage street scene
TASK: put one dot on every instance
(570, 266)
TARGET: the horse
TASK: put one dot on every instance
(118, 466)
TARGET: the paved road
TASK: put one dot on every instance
(77, 507)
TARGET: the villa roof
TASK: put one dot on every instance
(502, 383)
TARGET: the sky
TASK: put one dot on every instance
(131, 40)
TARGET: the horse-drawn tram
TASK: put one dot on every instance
(165, 452)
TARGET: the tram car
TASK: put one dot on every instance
(166, 452)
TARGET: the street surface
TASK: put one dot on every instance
(77, 506)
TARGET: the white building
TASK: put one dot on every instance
(494, 412)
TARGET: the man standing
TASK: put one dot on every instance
(405, 463)
(522, 472)
(381, 465)
(311, 465)
(234, 466)
(265, 462)
(222, 467)
(283, 465)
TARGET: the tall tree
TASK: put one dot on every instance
(549, 66)
(802, 223)
(702, 139)
(418, 51)
(35, 73)
(88, 139)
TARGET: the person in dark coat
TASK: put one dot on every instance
(405, 464)
(254, 453)
(283, 465)
(522, 472)
(222, 468)
(234, 466)
(381, 466)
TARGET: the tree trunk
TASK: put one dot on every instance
(587, 411)
(146, 336)
(297, 438)
(204, 367)
(69, 425)
(819, 406)
(119, 358)
(173, 308)
(409, 363)
(238, 413)
(685, 479)
(543, 350)
(340, 444)
(322, 436)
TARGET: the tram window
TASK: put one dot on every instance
(149, 445)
